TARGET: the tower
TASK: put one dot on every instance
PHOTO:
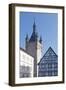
(34, 48)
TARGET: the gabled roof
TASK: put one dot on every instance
(49, 54)
(50, 51)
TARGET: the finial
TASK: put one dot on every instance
(34, 20)
(34, 26)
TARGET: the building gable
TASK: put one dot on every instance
(50, 55)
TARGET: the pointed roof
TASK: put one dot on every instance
(34, 35)
(50, 52)
(49, 55)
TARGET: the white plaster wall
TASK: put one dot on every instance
(39, 51)
(39, 54)
(26, 60)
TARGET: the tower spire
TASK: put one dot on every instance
(34, 26)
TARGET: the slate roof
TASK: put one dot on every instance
(33, 37)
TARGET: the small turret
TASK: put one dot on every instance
(40, 39)
(27, 39)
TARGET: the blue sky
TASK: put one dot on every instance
(46, 26)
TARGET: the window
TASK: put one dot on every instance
(49, 73)
(46, 73)
(25, 71)
(56, 65)
(55, 73)
(49, 65)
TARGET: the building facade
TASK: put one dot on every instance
(48, 65)
(26, 64)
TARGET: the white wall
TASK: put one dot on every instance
(27, 60)
(4, 45)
